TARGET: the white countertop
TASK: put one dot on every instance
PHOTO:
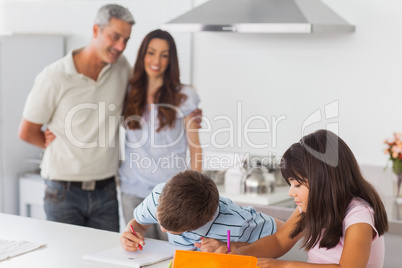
(66, 244)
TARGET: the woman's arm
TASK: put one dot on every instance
(193, 143)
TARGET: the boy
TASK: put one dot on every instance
(188, 207)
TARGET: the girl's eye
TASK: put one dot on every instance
(165, 56)
(297, 185)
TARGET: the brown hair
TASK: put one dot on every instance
(168, 93)
(188, 201)
(325, 164)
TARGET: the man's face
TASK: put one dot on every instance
(111, 40)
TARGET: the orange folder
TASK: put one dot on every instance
(197, 259)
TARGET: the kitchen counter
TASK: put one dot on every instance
(280, 195)
(66, 244)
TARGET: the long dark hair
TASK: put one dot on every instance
(168, 93)
(325, 164)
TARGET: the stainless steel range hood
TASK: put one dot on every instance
(260, 16)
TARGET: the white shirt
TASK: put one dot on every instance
(154, 157)
(84, 116)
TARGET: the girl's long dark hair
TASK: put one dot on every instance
(168, 93)
(325, 164)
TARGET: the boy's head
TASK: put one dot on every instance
(188, 201)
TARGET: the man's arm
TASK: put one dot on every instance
(32, 133)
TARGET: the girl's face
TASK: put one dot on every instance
(156, 59)
(300, 194)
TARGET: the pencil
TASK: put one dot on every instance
(134, 233)
(228, 241)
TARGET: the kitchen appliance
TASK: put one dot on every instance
(255, 181)
(260, 16)
(218, 176)
(233, 177)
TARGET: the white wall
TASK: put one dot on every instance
(294, 75)
(288, 75)
(74, 18)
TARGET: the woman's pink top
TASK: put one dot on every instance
(358, 211)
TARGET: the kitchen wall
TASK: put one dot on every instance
(274, 82)
(356, 75)
(74, 18)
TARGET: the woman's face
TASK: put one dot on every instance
(299, 192)
(156, 59)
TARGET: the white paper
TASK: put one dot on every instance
(10, 249)
(154, 251)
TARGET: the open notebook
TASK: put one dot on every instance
(154, 251)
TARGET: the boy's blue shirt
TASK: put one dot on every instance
(244, 223)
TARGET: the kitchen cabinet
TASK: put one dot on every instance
(32, 190)
(22, 57)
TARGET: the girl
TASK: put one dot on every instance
(339, 215)
(159, 127)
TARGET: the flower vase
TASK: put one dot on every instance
(398, 185)
(397, 168)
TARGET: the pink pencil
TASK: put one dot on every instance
(228, 241)
(134, 233)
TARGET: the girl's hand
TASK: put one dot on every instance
(209, 244)
(222, 249)
(268, 263)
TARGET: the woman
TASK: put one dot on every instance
(158, 124)
(339, 215)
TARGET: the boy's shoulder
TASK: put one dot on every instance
(226, 204)
(159, 187)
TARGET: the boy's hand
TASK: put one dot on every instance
(130, 242)
(209, 244)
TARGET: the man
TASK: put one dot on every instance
(80, 98)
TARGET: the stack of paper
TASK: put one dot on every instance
(10, 249)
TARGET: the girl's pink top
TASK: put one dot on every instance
(359, 211)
